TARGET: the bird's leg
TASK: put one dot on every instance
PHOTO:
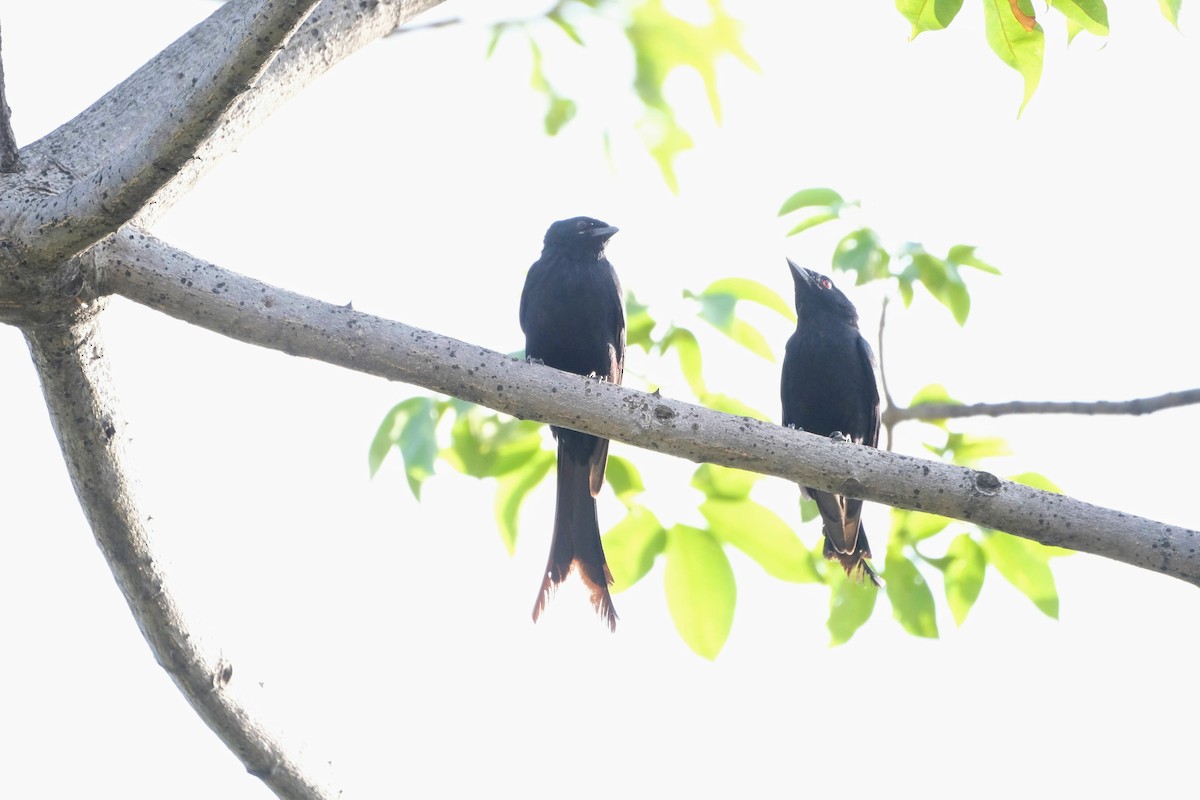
(534, 360)
(838, 436)
(794, 426)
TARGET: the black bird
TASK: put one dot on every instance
(574, 320)
(828, 388)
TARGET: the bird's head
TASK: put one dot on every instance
(579, 234)
(815, 293)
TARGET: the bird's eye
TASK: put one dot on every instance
(581, 225)
(826, 283)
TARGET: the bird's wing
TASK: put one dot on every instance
(867, 362)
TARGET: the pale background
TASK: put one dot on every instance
(391, 642)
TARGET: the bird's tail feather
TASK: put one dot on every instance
(854, 562)
(576, 541)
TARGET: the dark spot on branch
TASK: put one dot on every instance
(663, 413)
(986, 483)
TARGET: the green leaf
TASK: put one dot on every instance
(411, 426)
(928, 15)
(511, 490)
(1037, 481)
(1016, 46)
(631, 546)
(663, 42)
(1024, 564)
(808, 509)
(624, 478)
(719, 309)
(761, 534)
(850, 605)
(700, 589)
(932, 393)
(665, 140)
(812, 222)
(684, 343)
(555, 15)
(731, 405)
(862, 253)
(483, 445)
(559, 112)
(964, 255)
(1073, 30)
(723, 483)
(1170, 10)
(963, 575)
(967, 450)
(638, 324)
(806, 198)
(911, 527)
(1089, 15)
(909, 594)
(752, 291)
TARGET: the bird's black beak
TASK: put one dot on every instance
(603, 234)
(800, 276)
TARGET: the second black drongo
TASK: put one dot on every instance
(573, 317)
(828, 388)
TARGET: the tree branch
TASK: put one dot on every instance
(71, 364)
(93, 206)
(148, 271)
(10, 158)
(126, 116)
(1141, 405)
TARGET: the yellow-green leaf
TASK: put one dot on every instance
(701, 592)
(761, 534)
(964, 571)
(1017, 47)
(909, 594)
(631, 546)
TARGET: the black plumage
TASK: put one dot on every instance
(573, 317)
(828, 387)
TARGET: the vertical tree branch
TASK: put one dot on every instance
(887, 394)
(10, 159)
(71, 365)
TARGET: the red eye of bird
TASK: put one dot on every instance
(826, 283)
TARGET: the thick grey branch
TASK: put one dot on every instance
(98, 203)
(127, 114)
(1141, 405)
(10, 160)
(73, 370)
(144, 269)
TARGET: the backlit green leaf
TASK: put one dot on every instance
(1090, 15)
(411, 426)
(724, 483)
(850, 605)
(963, 574)
(683, 342)
(511, 490)
(806, 198)
(1170, 10)
(1024, 564)
(964, 255)
(761, 534)
(812, 222)
(624, 478)
(928, 15)
(862, 253)
(909, 594)
(638, 324)
(631, 546)
(1017, 47)
(1037, 481)
(753, 291)
(731, 405)
(911, 527)
(700, 588)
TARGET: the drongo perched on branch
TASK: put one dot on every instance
(574, 320)
(828, 388)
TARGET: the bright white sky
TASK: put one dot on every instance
(391, 641)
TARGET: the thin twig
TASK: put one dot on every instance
(1137, 406)
(887, 394)
(426, 26)
(10, 156)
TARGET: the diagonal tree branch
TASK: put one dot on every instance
(125, 117)
(71, 364)
(10, 159)
(98, 203)
(1141, 405)
(144, 269)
